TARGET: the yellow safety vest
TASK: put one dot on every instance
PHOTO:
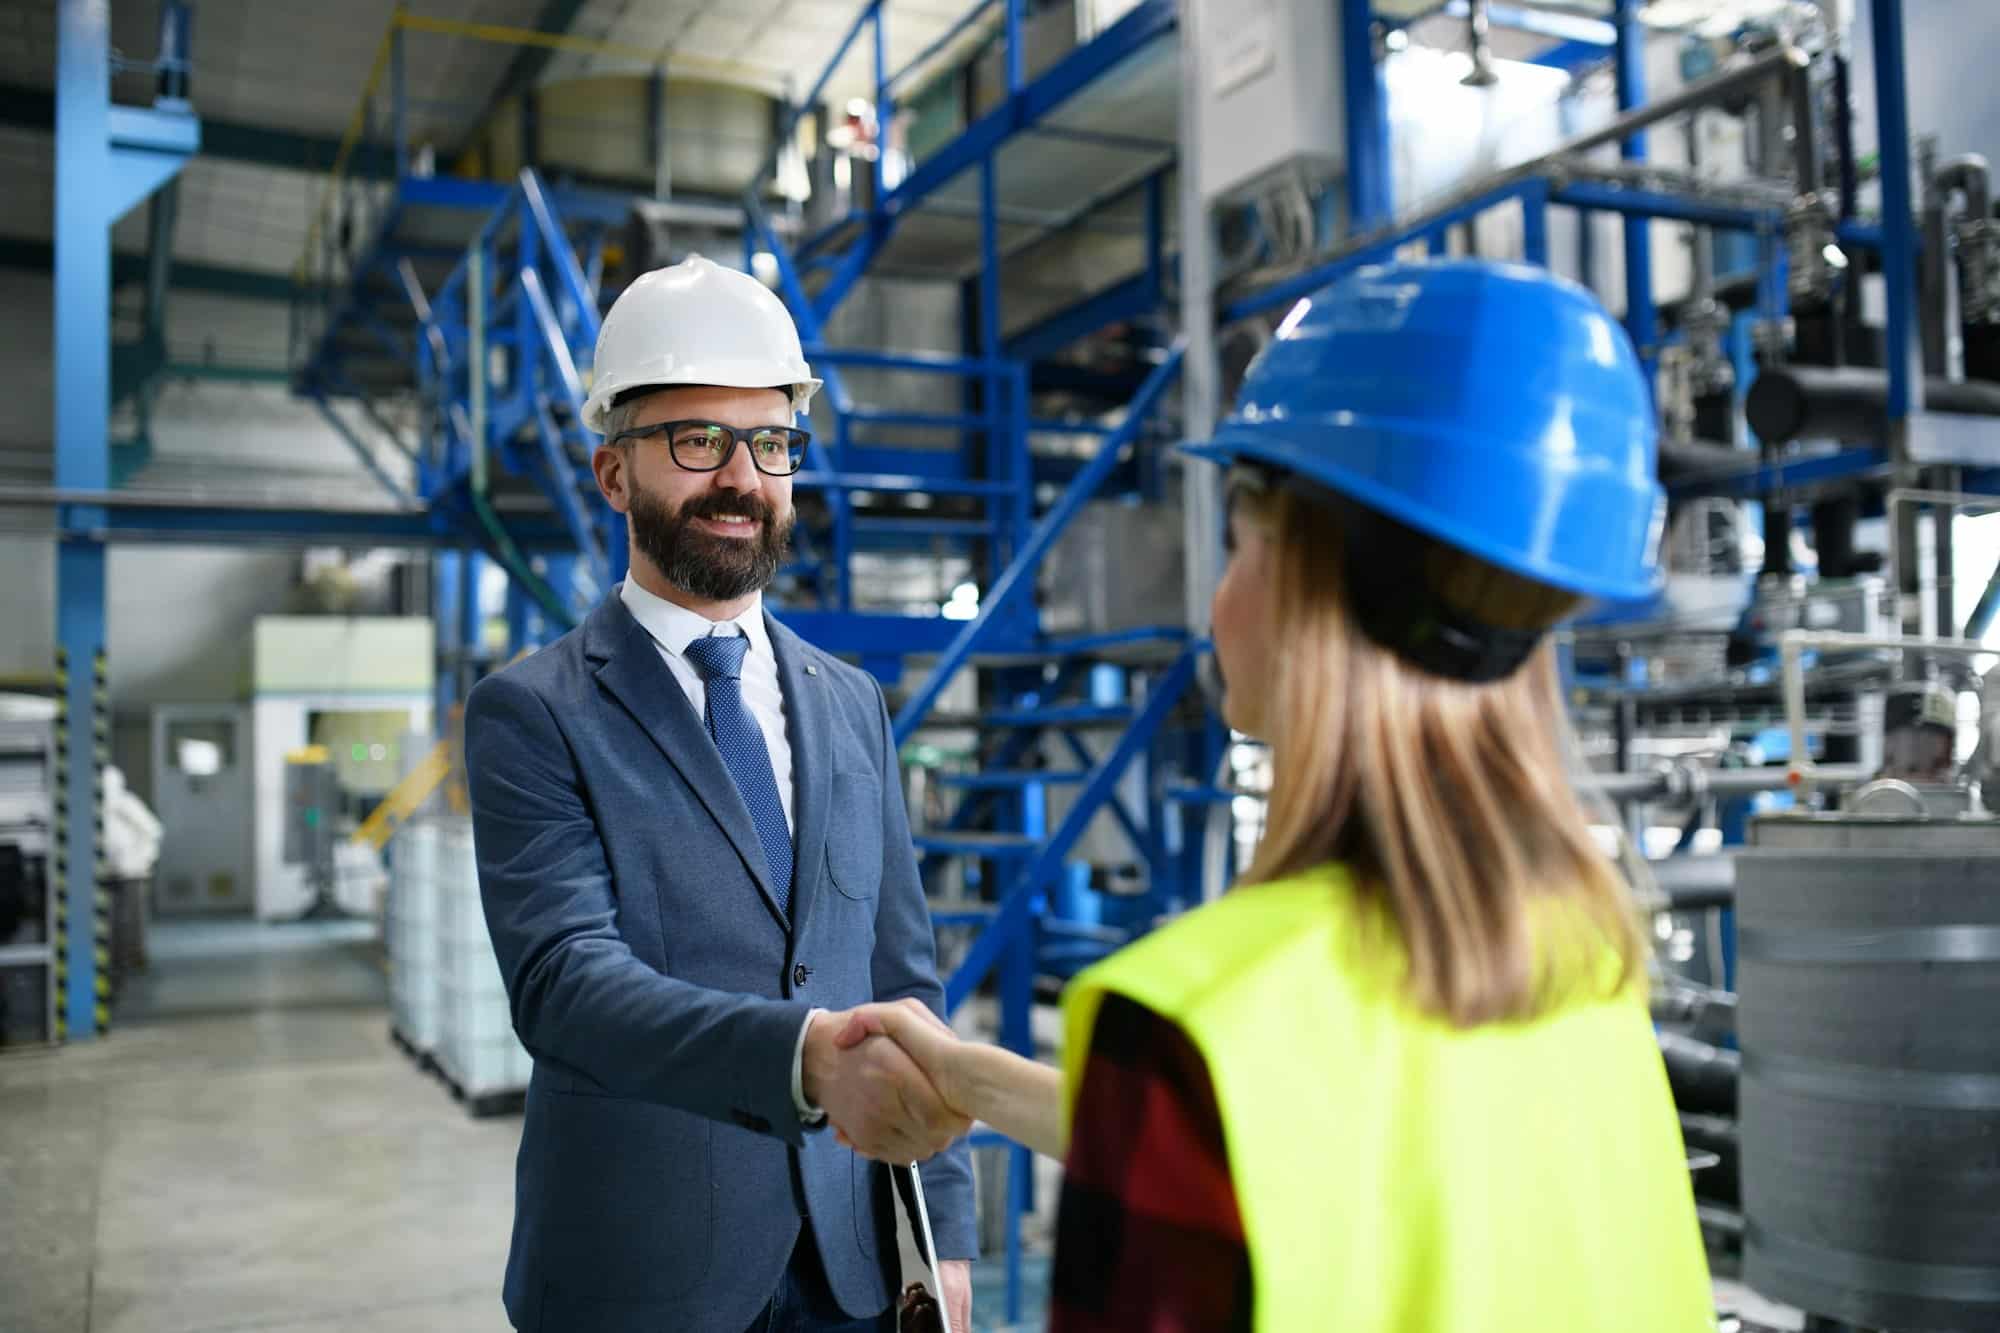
(1396, 1174)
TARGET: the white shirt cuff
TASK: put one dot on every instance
(808, 1113)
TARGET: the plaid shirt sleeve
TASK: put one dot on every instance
(1148, 1236)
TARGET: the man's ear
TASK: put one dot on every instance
(612, 468)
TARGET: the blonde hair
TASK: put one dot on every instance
(1449, 802)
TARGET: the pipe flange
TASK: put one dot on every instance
(1979, 266)
(1705, 323)
(1687, 781)
(1808, 236)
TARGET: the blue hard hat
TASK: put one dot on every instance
(1494, 407)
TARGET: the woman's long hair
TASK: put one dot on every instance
(1450, 803)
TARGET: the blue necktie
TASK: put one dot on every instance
(741, 740)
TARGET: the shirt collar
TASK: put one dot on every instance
(674, 627)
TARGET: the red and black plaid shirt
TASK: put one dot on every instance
(1148, 1236)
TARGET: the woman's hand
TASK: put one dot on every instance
(924, 1037)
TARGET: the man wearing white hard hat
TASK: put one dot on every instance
(695, 860)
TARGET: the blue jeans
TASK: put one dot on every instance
(804, 1303)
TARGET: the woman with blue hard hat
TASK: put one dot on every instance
(1401, 1077)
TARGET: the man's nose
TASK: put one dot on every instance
(739, 473)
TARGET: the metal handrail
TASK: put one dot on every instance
(1021, 570)
(1512, 182)
(1010, 916)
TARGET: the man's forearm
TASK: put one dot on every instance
(640, 1034)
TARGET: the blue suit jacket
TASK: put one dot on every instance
(660, 990)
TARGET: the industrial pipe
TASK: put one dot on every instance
(1479, 24)
(1969, 173)
(1683, 782)
(1848, 403)
(1984, 609)
(1680, 459)
(1721, 86)
(1703, 1077)
(1804, 774)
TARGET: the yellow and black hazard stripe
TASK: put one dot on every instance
(100, 759)
(59, 845)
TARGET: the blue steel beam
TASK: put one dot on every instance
(1899, 259)
(1372, 251)
(1635, 203)
(1570, 56)
(1122, 813)
(1011, 917)
(119, 522)
(1020, 572)
(1370, 192)
(1076, 71)
(107, 159)
(35, 109)
(1641, 322)
(863, 634)
(891, 483)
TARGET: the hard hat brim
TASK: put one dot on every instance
(1516, 508)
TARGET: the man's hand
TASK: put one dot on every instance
(924, 1037)
(956, 1277)
(878, 1100)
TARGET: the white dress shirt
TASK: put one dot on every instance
(673, 628)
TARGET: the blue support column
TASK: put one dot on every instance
(1017, 1000)
(1641, 320)
(884, 101)
(108, 159)
(471, 613)
(1156, 232)
(1013, 39)
(445, 622)
(521, 619)
(1535, 222)
(1899, 237)
(399, 103)
(1371, 201)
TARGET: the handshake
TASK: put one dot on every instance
(889, 1077)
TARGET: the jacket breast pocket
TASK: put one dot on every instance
(854, 835)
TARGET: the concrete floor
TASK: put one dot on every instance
(248, 1153)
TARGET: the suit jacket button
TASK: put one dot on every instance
(800, 973)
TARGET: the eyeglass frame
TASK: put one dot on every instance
(736, 437)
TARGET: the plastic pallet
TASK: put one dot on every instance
(422, 1059)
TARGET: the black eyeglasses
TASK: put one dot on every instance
(705, 446)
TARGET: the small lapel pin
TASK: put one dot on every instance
(812, 670)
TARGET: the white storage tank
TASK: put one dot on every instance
(411, 929)
(477, 1049)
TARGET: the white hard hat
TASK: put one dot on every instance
(697, 323)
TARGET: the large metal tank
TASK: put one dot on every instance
(603, 130)
(1869, 1018)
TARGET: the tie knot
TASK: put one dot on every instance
(717, 656)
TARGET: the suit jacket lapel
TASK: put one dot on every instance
(809, 728)
(633, 672)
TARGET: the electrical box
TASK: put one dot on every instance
(1269, 80)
